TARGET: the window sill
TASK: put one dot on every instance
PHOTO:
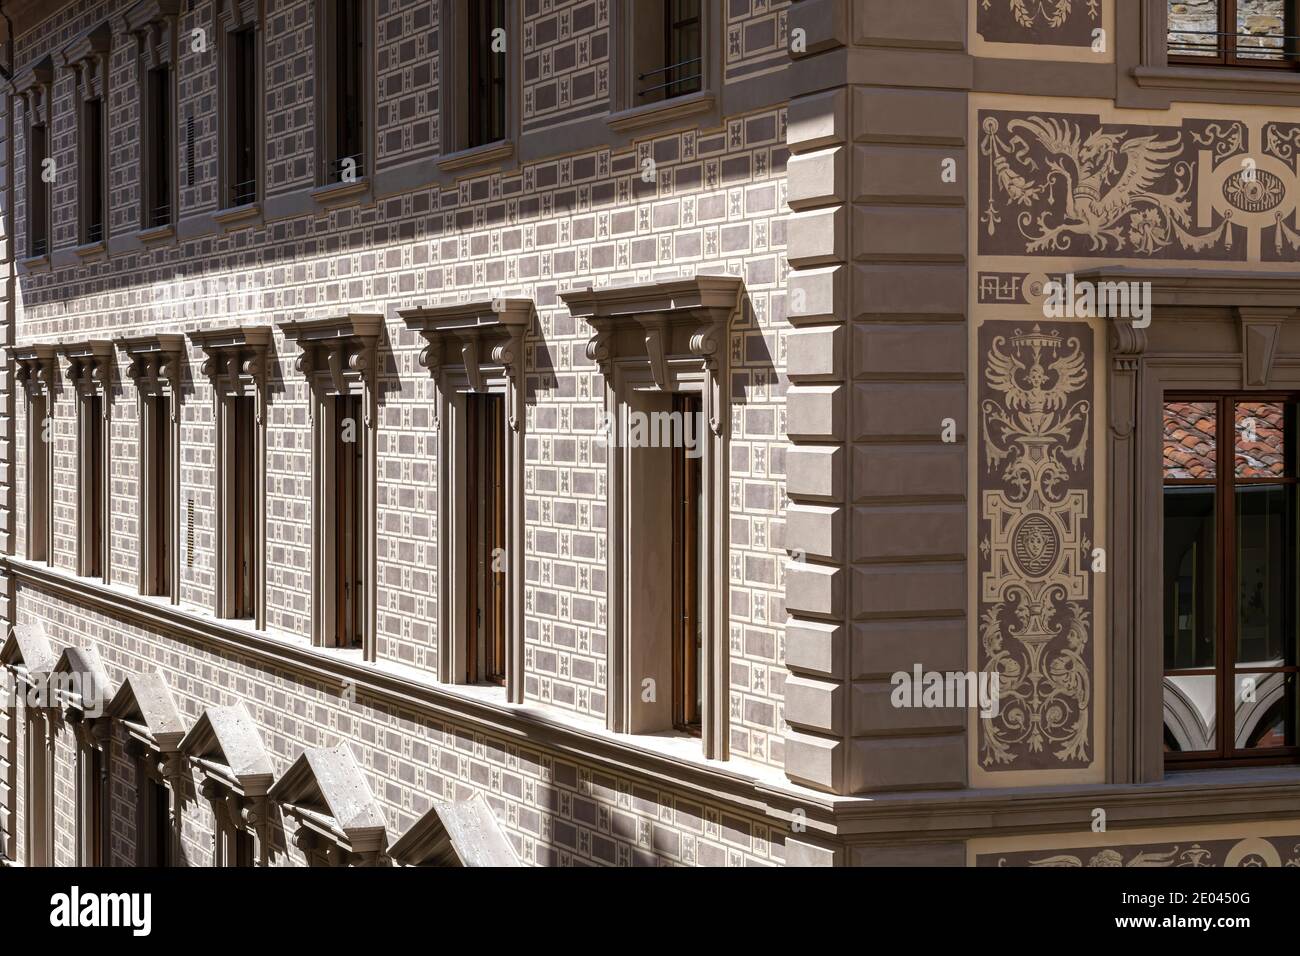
(156, 235)
(91, 251)
(476, 156)
(1219, 78)
(234, 216)
(35, 263)
(339, 193)
(651, 113)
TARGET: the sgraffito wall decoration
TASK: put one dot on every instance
(1277, 851)
(1071, 185)
(1054, 22)
(1035, 488)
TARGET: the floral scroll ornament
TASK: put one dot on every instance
(1052, 13)
(1035, 588)
(1118, 191)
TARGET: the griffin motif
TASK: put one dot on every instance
(1111, 181)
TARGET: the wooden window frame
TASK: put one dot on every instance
(153, 25)
(1226, 669)
(332, 185)
(38, 213)
(35, 369)
(90, 370)
(687, 525)
(476, 348)
(338, 356)
(88, 58)
(1227, 55)
(456, 151)
(155, 366)
(34, 87)
(631, 109)
(234, 17)
(236, 369)
(650, 342)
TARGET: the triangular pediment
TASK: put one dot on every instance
(29, 648)
(326, 790)
(226, 742)
(145, 705)
(82, 680)
(463, 833)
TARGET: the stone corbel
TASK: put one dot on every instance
(707, 345)
(237, 356)
(469, 353)
(1261, 335)
(344, 347)
(656, 345)
(509, 355)
(240, 13)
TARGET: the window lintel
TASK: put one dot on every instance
(485, 332)
(326, 794)
(35, 85)
(226, 749)
(87, 57)
(153, 25)
(144, 705)
(90, 363)
(35, 367)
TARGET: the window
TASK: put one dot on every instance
(158, 148)
(39, 772)
(38, 478)
(38, 192)
(1231, 579)
(92, 171)
(485, 75)
(1234, 33)
(479, 63)
(660, 349)
(156, 834)
(486, 595)
(345, 495)
(667, 54)
(90, 500)
(243, 537)
(241, 116)
(157, 531)
(91, 838)
(343, 77)
(688, 631)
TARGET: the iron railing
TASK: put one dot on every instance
(1219, 45)
(681, 83)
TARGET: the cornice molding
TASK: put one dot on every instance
(485, 333)
(155, 365)
(90, 363)
(235, 358)
(87, 57)
(337, 350)
(35, 367)
(657, 321)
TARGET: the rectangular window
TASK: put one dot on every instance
(159, 840)
(91, 503)
(1231, 579)
(38, 479)
(158, 185)
(242, 117)
(92, 836)
(667, 49)
(38, 193)
(242, 466)
(688, 630)
(485, 75)
(92, 171)
(486, 534)
(157, 530)
(348, 527)
(343, 107)
(40, 812)
(1234, 33)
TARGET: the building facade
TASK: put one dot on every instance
(542, 433)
